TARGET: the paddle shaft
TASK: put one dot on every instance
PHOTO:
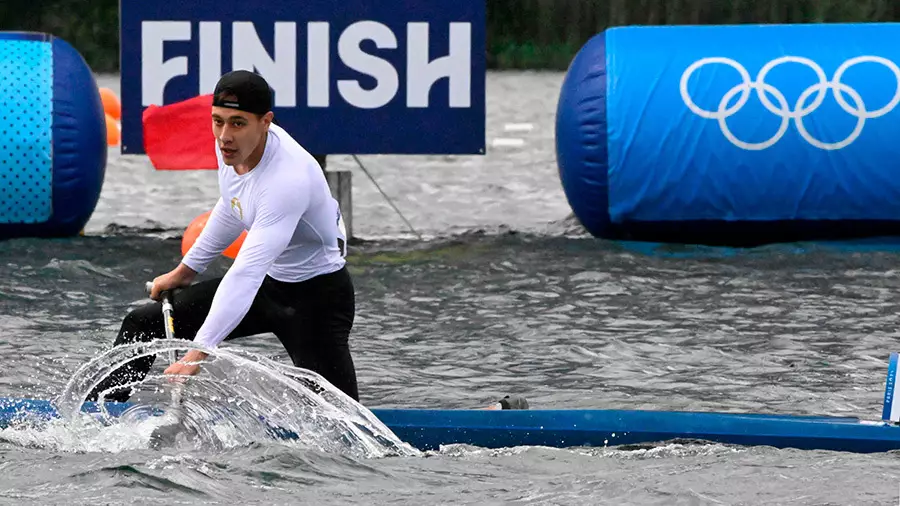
(169, 325)
(169, 322)
(168, 319)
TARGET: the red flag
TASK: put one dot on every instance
(179, 136)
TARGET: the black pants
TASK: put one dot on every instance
(312, 319)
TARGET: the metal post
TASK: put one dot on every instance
(339, 181)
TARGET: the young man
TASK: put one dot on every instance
(289, 277)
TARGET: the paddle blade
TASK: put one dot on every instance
(179, 136)
(165, 436)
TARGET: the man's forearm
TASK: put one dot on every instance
(186, 273)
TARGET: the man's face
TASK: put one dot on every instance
(238, 133)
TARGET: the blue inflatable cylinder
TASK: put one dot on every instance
(53, 147)
(740, 134)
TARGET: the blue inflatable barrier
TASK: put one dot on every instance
(734, 135)
(52, 137)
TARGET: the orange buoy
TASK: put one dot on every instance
(193, 231)
(111, 103)
(112, 131)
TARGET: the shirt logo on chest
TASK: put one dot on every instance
(236, 204)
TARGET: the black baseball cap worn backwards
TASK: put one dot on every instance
(245, 90)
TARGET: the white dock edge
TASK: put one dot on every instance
(341, 189)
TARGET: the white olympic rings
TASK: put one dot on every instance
(783, 110)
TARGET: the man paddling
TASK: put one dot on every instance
(289, 277)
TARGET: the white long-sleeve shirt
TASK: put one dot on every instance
(293, 225)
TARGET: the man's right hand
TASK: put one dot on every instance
(176, 278)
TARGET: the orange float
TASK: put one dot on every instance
(113, 134)
(193, 231)
(111, 104)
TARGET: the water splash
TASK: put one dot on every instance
(238, 399)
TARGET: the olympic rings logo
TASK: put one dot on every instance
(783, 109)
